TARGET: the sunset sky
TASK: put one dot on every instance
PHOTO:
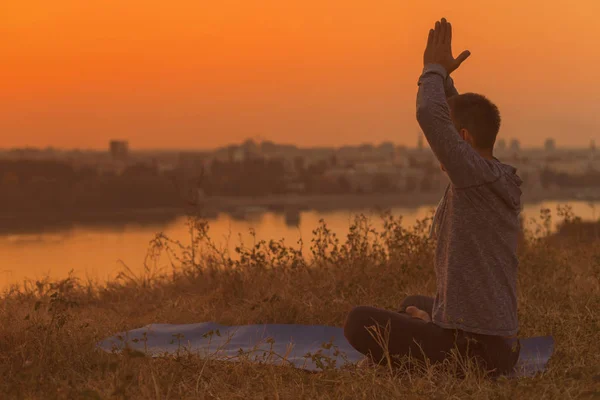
(200, 74)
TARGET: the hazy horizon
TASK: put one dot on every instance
(316, 74)
(133, 148)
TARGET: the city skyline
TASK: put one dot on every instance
(419, 142)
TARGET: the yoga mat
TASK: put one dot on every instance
(310, 347)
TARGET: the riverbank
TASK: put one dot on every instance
(241, 207)
(323, 202)
(372, 200)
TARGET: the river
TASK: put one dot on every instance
(98, 253)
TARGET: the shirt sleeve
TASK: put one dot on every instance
(464, 165)
(449, 87)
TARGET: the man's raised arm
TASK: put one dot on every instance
(464, 165)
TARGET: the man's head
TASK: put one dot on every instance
(477, 120)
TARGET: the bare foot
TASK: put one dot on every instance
(418, 313)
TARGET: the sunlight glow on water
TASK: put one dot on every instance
(96, 253)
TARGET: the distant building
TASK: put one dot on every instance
(268, 147)
(119, 150)
(237, 153)
(366, 148)
(550, 144)
(401, 156)
(420, 143)
(299, 163)
(386, 150)
(515, 145)
(250, 149)
(194, 161)
(501, 145)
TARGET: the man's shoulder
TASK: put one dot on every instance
(503, 184)
(504, 170)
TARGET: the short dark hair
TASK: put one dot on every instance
(478, 115)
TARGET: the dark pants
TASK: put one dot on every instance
(404, 336)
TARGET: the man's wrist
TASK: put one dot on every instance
(433, 68)
(448, 82)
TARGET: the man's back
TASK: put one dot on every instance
(477, 230)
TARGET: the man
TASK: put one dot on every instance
(476, 226)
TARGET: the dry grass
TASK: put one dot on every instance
(48, 330)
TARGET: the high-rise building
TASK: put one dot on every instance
(250, 149)
(119, 150)
(550, 144)
(515, 145)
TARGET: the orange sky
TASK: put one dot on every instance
(198, 74)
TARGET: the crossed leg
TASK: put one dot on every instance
(409, 331)
(377, 333)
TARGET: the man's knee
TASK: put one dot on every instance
(355, 327)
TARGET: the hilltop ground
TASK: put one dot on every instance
(48, 330)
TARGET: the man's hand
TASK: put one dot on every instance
(439, 48)
(418, 313)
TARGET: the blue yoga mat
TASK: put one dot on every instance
(310, 347)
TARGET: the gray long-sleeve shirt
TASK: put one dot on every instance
(476, 223)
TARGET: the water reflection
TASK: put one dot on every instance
(94, 251)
